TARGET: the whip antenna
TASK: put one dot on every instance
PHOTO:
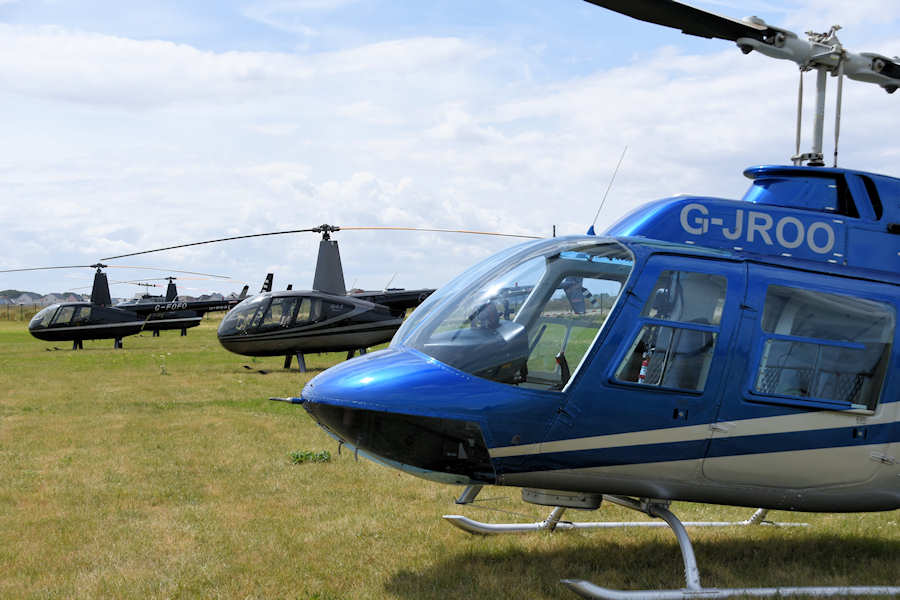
(609, 187)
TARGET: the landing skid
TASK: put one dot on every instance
(554, 522)
(660, 509)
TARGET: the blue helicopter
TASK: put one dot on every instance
(736, 352)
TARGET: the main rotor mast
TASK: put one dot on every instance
(824, 54)
(821, 52)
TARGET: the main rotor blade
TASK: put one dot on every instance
(690, 20)
(229, 279)
(44, 268)
(165, 269)
(494, 233)
(225, 239)
(136, 282)
(118, 267)
(320, 229)
(820, 51)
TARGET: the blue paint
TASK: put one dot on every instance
(825, 230)
(784, 215)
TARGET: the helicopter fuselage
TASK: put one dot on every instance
(706, 366)
(74, 321)
(286, 322)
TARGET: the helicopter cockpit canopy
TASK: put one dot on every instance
(60, 315)
(523, 318)
(273, 311)
(240, 317)
(43, 317)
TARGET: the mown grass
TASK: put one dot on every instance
(163, 471)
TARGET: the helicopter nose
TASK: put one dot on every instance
(38, 332)
(393, 405)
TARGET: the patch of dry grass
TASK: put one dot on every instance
(117, 480)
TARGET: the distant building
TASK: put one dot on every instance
(49, 299)
(27, 298)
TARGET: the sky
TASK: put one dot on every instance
(136, 125)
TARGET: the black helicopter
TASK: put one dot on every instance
(750, 354)
(293, 323)
(101, 319)
(169, 312)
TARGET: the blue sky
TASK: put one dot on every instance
(139, 125)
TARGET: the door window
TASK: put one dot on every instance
(64, 315)
(674, 347)
(309, 311)
(280, 313)
(827, 347)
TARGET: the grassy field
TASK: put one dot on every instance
(163, 471)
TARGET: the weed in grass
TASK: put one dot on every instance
(298, 457)
(162, 364)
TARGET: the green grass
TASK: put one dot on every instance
(163, 471)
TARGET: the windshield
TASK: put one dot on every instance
(242, 316)
(43, 317)
(528, 319)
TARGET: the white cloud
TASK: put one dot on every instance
(847, 14)
(274, 129)
(58, 64)
(290, 15)
(121, 145)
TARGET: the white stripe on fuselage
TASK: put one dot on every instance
(184, 319)
(102, 326)
(724, 429)
(126, 324)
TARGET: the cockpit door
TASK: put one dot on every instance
(642, 405)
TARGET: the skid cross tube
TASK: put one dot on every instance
(554, 521)
(693, 588)
(660, 509)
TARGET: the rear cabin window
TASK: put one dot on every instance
(334, 309)
(674, 347)
(82, 315)
(308, 310)
(825, 347)
(315, 310)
